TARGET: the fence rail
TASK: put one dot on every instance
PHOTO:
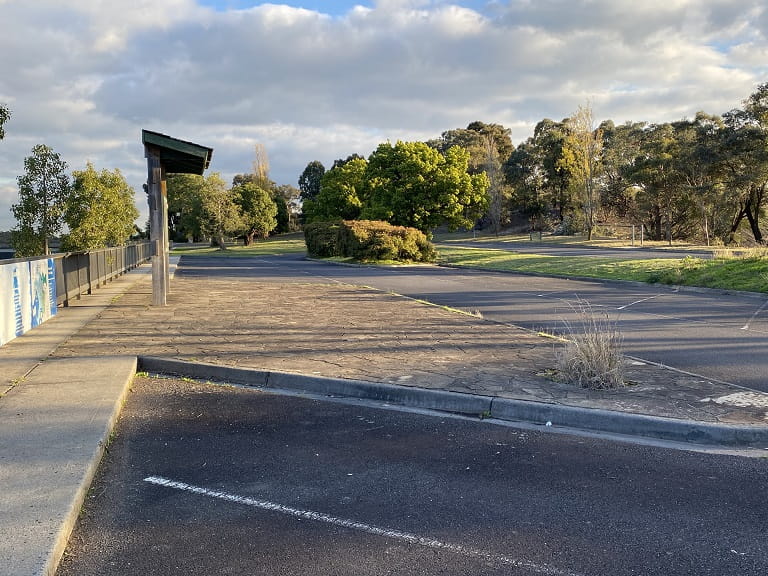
(79, 273)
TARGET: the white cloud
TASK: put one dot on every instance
(86, 76)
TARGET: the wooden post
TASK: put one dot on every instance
(158, 215)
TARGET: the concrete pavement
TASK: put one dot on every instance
(64, 382)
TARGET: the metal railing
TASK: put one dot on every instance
(79, 273)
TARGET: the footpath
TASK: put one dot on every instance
(63, 383)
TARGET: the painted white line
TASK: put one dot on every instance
(638, 302)
(363, 527)
(755, 315)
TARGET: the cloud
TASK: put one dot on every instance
(86, 76)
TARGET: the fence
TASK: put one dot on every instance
(79, 273)
(31, 289)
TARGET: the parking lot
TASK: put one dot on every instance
(207, 479)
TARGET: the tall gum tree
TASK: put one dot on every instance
(44, 190)
(581, 156)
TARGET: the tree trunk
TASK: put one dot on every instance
(752, 218)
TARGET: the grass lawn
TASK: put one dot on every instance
(285, 244)
(748, 273)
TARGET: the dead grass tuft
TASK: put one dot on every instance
(592, 356)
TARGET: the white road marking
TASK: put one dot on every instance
(755, 315)
(638, 302)
(369, 528)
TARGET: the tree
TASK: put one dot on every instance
(258, 210)
(621, 149)
(287, 199)
(496, 185)
(100, 211)
(43, 192)
(185, 206)
(220, 216)
(341, 192)
(412, 184)
(309, 181)
(5, 115)
(745, 160)
(540, 180)
(473, 138)
(581, 157)
(260, 164)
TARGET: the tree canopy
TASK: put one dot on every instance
(100, 210)
(258, 210)
(412, 184)
(309, 180)
(44, 190)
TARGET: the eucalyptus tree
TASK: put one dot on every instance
(621, 149)
(702, 199)
(474, 140)
(44, 190)
(525, 174)
(654, 172)
(745, 160)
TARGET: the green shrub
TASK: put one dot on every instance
(372, 240)
(322, 239)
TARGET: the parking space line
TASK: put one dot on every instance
(638, 302)
(755, 315)
(363, 527)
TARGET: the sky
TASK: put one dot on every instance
(320, 80)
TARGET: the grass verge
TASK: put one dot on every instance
(748, 272)
(289, 244)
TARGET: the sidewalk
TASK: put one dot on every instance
(65, 381)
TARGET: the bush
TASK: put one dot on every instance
(372, 240)
(368, 241)
(592, 356)
(322, 239)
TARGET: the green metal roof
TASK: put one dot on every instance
(178, 156)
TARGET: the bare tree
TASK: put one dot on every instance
(581, 157)
(260, 164)
(493, 169)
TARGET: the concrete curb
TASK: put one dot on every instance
(440, 400)
(588, 419)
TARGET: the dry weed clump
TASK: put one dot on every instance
(592, 356)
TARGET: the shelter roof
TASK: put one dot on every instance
(178, 156)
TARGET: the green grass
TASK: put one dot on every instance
(288, 244)
(576, 240)
(748, 273)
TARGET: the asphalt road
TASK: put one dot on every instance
(722, 337)
(202, 479)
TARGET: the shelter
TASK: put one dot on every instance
(166, 155)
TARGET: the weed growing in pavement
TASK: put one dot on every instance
(592, 356)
